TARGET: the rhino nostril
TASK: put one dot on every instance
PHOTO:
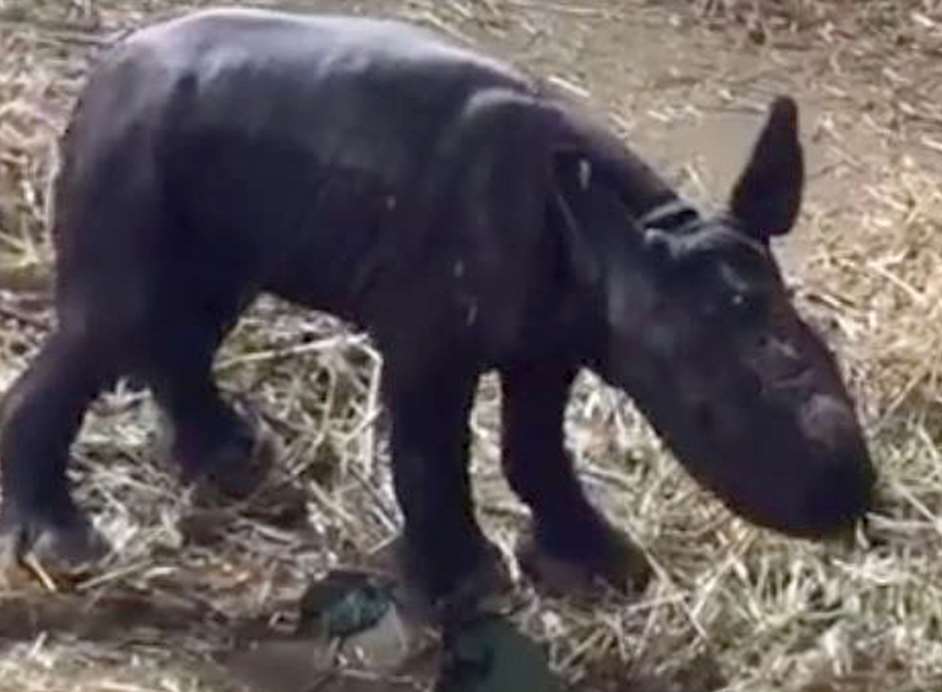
(830, 423)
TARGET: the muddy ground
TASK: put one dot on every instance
(732, 608)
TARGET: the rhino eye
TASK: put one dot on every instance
(746, 306)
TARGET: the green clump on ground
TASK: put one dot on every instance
(491, 655)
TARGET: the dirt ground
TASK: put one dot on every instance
(732, 607)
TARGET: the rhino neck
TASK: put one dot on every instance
(643, 192)
(647, 196)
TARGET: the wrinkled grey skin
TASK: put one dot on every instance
(469, 220)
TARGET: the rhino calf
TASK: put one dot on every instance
(470, 220)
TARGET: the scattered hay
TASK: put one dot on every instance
(733, 607)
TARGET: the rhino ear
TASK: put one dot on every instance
(767, 197)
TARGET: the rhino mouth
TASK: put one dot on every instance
(802, 470)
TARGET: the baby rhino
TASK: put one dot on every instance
(470, 220)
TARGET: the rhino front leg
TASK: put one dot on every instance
(570, 543)
(443, 551)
